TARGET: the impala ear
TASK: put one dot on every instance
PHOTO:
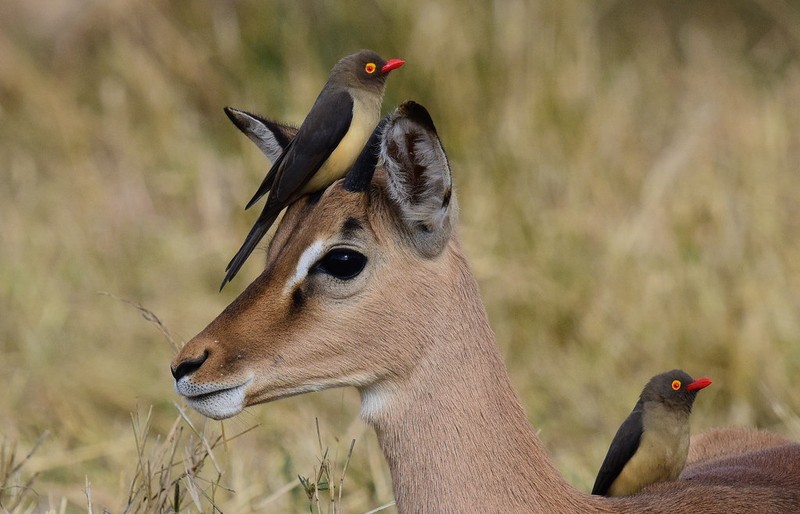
(270, 137)
(419, 182)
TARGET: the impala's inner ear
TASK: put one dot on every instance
(419, 181)
(270, 137)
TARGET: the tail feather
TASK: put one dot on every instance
(263, 189)
(272, 176)
(264, 222)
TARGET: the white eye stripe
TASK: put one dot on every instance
(307, 259)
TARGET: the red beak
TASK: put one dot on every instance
(392, 64)
(698, 384)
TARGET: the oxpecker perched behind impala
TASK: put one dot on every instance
(652, 444)
(325, 146)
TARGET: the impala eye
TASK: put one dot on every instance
(341, 263)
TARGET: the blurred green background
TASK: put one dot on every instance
(628, 174)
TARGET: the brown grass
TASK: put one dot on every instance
(630, 192)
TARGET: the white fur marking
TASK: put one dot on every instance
(216, 401)
(265, 140)
(307, 259)
(374, 401)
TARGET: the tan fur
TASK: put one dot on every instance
(725, 442)
(411, 333)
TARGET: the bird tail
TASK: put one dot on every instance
(264, 188)
(269, 180)
(264, 222)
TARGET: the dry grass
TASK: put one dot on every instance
(16, 489)
(630, 192)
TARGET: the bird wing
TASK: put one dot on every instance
(623, 447)
(318, 136)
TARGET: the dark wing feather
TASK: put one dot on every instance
(317, 138)
(624, 445)
(321, 132)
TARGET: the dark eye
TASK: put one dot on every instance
(341, 263)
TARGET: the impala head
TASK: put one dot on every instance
(325, 310)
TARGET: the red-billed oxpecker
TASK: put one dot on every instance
(325, 146)
(653, 442)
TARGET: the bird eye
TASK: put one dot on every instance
(676, 384)
(370, 67)
(341, 263)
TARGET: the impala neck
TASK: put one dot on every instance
(457, 425)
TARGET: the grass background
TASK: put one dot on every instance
(628, 174)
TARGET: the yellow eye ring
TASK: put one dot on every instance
(676, 384)
(370, 67)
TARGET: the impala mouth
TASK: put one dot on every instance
(212, 400)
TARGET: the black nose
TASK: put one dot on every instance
(188, 366)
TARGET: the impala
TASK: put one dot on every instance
(366, 285)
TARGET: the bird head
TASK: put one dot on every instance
(674, 388)
(364, 69)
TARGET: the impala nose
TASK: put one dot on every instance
(188, 366)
